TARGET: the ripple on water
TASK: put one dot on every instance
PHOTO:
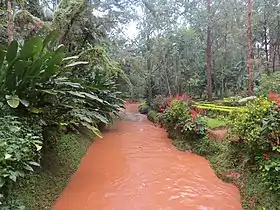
(135, 167)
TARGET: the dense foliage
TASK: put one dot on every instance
(183, 120)
(20, 147)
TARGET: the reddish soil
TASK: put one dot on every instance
(135, 167)
(219, 134)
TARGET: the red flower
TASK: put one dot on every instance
(169, 103)
(193, 114)
(278, 101)
(272, 95)
(265, 156)
(161, 109)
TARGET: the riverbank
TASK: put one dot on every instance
(38, 191)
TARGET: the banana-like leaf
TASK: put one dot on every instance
(31, 48)
(51, 38)
(21, 67)
(13, 100)
(76, 93)
(92, 97)
(95, 130)
(2, 56)
(12, 51)
(100, 117)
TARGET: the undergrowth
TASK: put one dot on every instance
(40, 190)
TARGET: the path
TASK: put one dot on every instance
(135, 167)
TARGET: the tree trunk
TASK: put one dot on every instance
(149, 68)
(273, 59)
(209, 54)
(250, 48)
(10, 25)
(266, 49)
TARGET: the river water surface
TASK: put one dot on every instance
(135, 167)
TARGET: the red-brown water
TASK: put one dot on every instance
(135, 167)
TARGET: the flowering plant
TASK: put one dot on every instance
(184, 119)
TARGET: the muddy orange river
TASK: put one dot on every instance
(135, 167)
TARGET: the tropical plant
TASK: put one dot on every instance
(20, 147)
(184, 120)
(38, 76)
(144, 108)
(270, 168)
(252, 124)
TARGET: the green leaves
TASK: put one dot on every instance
(13, 100)
(17, 151)
(12, 51)
(31, 48)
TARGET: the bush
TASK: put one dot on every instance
(144, 108)
(258, 126)
(152, 116)
(19, 151)
(183, 120)
(269, 83)
(216, 111)
(250, 125)
(160, 103)
(270, 168)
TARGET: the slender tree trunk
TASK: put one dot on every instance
(10, 27)
(273, 59)
(149, 68)
(209, 53)
(250, 48)
(266, 49)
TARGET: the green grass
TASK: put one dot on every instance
(215, 123)
(40, 190)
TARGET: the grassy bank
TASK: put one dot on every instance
(59, 162)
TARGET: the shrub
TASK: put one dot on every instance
(216, 111)
(19, 151)
(270, 168)
(185, 121)
(159, 103)
(250, 125)
(152, 116)
(269, 83)
(144, 108)
(38, 78)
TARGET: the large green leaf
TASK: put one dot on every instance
(12, 51)
(99, 117)
(2, 56)
(94, 129)
(31, 48)
(76, 93)
(51, 38)
(13, 100)
(20, 68)
(92, 97)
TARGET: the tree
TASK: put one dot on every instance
(250, 48)
(209, 52)
(10, 24)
